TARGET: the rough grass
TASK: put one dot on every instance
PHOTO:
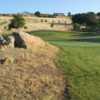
(80, 62)
(30, 74)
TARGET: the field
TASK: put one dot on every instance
(79, 58)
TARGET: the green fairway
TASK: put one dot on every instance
(70, 38)
(79, 58)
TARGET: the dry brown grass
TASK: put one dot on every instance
(34, 23)
(30, 74)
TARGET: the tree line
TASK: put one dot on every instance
(90, 20)
(82, 22)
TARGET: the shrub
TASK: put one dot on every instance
(25, 27)
(46, 20)
(52, 25)
(5, 27)
(17, 22)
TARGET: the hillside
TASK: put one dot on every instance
(79, 59)
(30, 74)
(33, 23)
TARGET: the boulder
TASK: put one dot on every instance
(11, 41)
(25, 40)
(2, 40)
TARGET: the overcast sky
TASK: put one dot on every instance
(49, 6)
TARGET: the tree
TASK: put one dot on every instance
(91, 19)
(79, 18)
(69, 14)
(17, 22)
(98, 14)
(37, 13)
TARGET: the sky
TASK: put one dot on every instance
(49, 6)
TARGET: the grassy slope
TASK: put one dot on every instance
(80, 62)
(30, 74)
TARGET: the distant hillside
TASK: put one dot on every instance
(40, 23)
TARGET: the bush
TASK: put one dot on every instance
(41, 20)
(5, 27)
(52, 25)
(25, 27)
(77, 27)
(17, 22)
(46, 20)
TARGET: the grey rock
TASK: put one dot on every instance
(2, 40)
(11, 41)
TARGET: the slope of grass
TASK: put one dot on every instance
(80, 62)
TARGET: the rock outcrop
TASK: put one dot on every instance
(24, 40)
(21, 39)
(11, 41)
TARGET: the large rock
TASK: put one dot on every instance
(11, 41)
(25, 40)
(2, 40)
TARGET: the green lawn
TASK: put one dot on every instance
(80, 61)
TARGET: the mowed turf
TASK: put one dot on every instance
(80, 61)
